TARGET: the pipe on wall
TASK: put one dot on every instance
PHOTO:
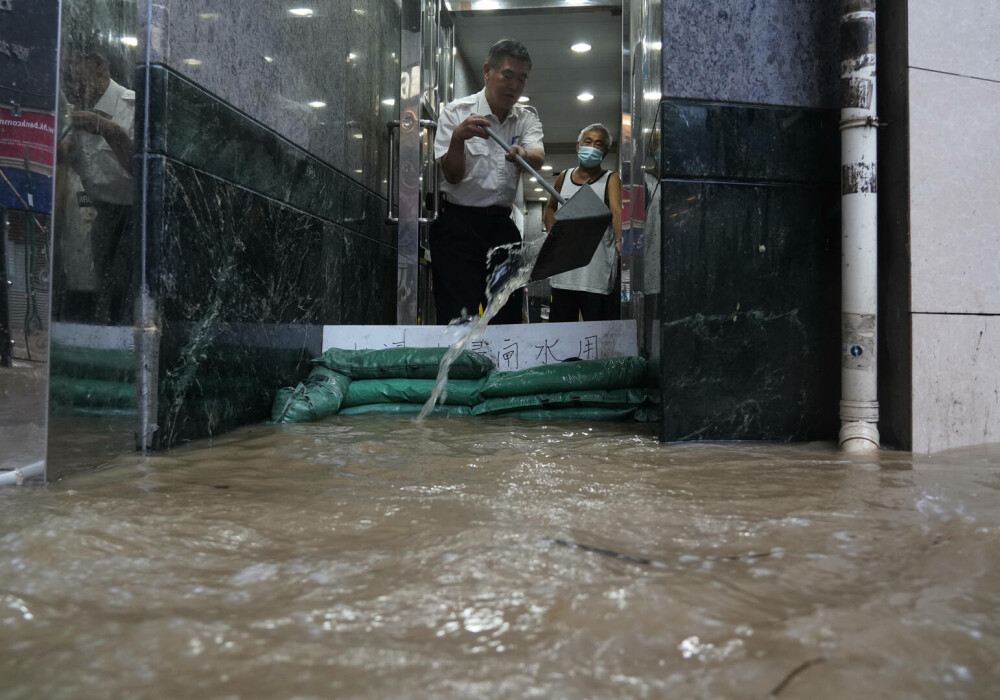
(859, 411)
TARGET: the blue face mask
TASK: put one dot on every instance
(589, 156)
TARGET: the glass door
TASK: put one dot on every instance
(426, 62)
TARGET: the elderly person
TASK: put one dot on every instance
(480, 182)
(586, 291)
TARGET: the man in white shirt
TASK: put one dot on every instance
(99, 148)
(480, 182)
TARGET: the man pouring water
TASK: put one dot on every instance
(480, 182)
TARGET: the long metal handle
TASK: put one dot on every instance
(393, 125)
(520, 161)
(432, 126)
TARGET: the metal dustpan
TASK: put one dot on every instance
(579, 227)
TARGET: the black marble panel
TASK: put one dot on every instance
(190, 125)
(749, 311)
(243, 285)
(737, 142)
(778, 52)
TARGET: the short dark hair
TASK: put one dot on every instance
(507, 48)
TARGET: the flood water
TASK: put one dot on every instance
(373, 557)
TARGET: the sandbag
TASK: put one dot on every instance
(321, 394)
(581, 414)
(614, 373)
(403, 409)
(614, 398)
(403, 363)
(461, 392)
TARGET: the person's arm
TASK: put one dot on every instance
(453, 161)
(534, 157)
(117, 138)
(615, 204)
(549, 212)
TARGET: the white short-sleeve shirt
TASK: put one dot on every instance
(103, 177)
(490, 179)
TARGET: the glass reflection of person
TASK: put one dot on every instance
(98, 146)
(587, 291)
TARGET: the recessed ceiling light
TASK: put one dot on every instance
(209, 15)
(268, 59)
(301, 12)
(192, 62)
(585, 97)
(539, 189)
(546, 167)
(317, 104)
(359, 170)
(543, 199)
(389, 101)
(351, 56)
(130, 41)
(531, 179)
(523, 98)
(582, 47)
(358, 136)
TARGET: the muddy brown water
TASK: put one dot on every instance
(372, 557)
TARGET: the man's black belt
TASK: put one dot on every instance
(495, 210)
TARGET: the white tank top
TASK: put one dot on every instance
(596, 276)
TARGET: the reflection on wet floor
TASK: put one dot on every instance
(368, 557)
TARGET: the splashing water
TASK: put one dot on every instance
(504, 279)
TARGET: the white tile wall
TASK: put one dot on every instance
(956, 381)
(954, 193)
(958, 36)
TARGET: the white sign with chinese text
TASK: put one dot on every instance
(510, 347)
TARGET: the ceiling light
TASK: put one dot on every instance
(317, 104)
(546, 167)
(539, 189)
(268, 59)
(389, 101)
(358, 136)
(543, 199)
(531, 179)
(359, 170)
(301, 12)
(585, 97)
(652, 95)
(486, 5)
(130, 41)
(351, 56)
(209, 15)
(192, 62)
(582, 47)
(523, 98)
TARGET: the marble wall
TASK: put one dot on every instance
(750, 221)
(264, 214)
(953, 206)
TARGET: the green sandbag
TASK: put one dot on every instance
(615, 398)
(319, 395)
(581, 414)
(403, 363)
(91, 393)
(462, 392)
(614, 373)
(404, 409)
